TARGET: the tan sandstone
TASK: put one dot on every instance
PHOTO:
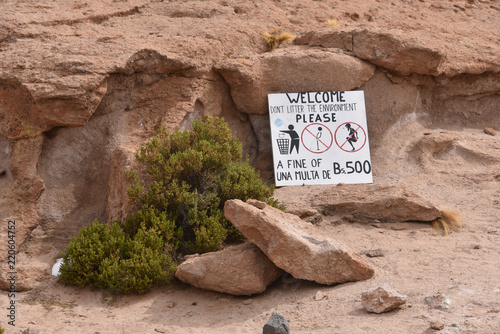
(296, 246)
(236, 270)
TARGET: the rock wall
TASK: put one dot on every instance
(82, 85)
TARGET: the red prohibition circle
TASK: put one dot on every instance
(343, 143)
(327, 146)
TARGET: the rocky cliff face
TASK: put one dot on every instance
(83, 84)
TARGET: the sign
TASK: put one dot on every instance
(319, 138)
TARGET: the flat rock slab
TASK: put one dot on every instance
(236, 270)
(362, 202)
(295, 246)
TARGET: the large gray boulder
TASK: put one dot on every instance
(296, 246)
(236, 270)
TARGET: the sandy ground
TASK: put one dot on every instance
(456, 170)
(417, 261)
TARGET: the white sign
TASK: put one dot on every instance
(319, 138)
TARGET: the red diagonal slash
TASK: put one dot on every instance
(350, 137)
(317, 138)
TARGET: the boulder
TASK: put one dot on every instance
(382, 299)
(367, 202)
(295, 246)
(237, 270)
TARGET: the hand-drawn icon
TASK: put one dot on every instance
(284, 143)
(351, 133)
(318, 136)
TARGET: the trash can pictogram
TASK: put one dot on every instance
(283, 145)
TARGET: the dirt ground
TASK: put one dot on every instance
(417, 261)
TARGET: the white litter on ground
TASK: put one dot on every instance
(55, 268)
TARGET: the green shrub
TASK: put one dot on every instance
(1, 329)
(143, 262)
(86, 252)
(105, 257)
(192, 174)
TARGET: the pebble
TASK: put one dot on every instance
(398, 227)
(320, 296)
(438, 301)
(247, 301)
(437, 325)
(490, 131)
(30, 330)
(375, 253)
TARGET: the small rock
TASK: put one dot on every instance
(490, 131)
(438, 301)
(247, 301)
(2, 171)
(399, 227)
(159, 330)
(437, 325)
(257, 204)
(377, 225)
(375, 253)
(194, 303)
(171, 305)
(478, 247)
(382, 299)
(277, 324)
(30, 330)
(320, 296)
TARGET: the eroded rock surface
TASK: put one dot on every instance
(275, 72)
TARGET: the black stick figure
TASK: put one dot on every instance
(353, 135)
(294, 136)
(318, 136)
